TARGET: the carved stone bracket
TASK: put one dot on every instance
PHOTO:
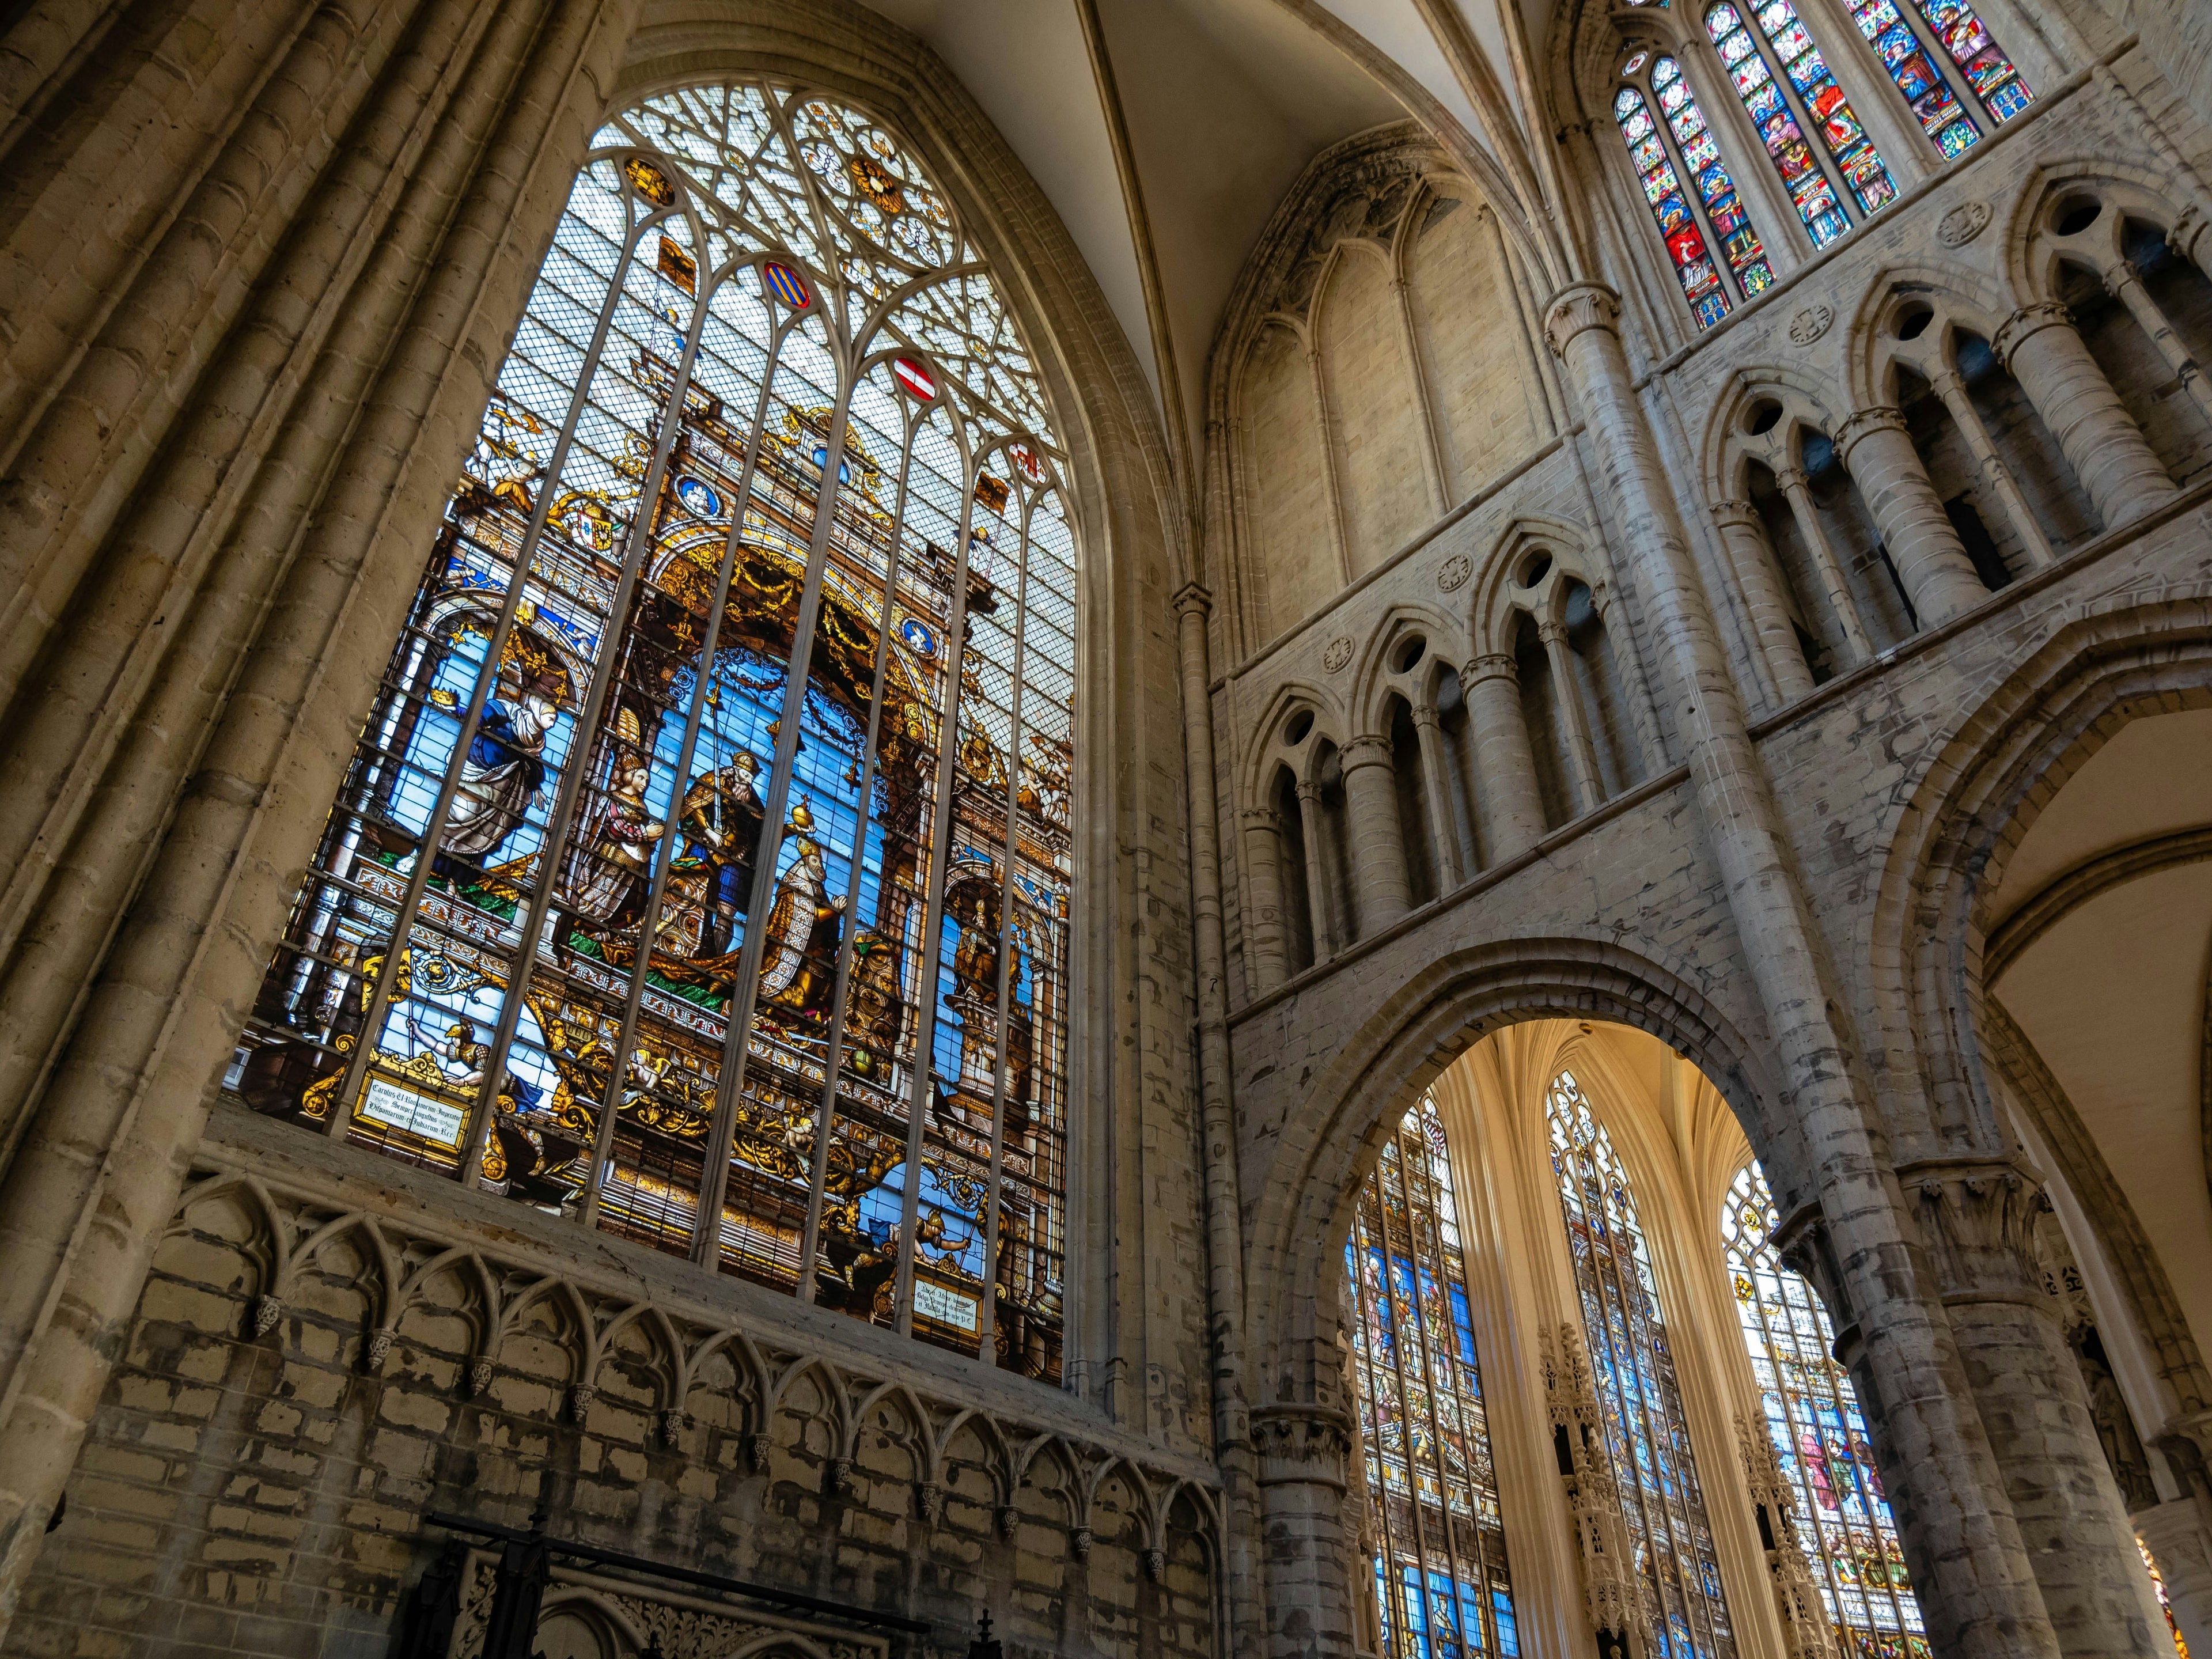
(673, 1425)
(480, 1375)
(1156, 1564)
(580, 1401)
(1079, 1540)
(929, 1502)
(267, 1310)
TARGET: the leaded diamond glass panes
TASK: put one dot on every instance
(706, 850)
(1647, 1437)
(1820, 1438)
(1655, 171)
(1440, 1578)
(1724, 208)
(1950, 127)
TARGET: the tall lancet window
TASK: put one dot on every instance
(1646, 1437)
(1440, 1577)
(1820, 1438)
(1951, 127)
(1663, 189)
(706, 850)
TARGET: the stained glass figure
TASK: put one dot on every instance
(1951, 127)
(1646, 1437)
(1864, 173)
(706, 850)
(1440, 1577)
(1995, 82)
(1819, 1437)
(1686, 246)
(1724, 208)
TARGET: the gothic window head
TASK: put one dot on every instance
(706, 851)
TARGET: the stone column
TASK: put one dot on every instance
(1512, 810)
(1979, 1219)
(1930, 560)
(2175, 1535)
(1636, 690)
(1328, 938)
(1774, 640)
(1968, 419)
(2040, 347)
(1303, 1508)
(1378, 847)
(1444, 827)
(2124, 283)
(1589, 793)
(1263, 927)
(1833, 583)
(1968, 1563)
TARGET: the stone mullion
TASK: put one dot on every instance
(1969, 1556)
(2039, 346)
(1841, 604)
(1535, 400)
(1507, 801)
(1332, 473)
(1636, 693)
(2124, 283)
(86, 1199)
(1321, 902)
(1931, 562)
(203, 325)
(1405, 1324)
(1751, 562)
(1432, 452)
(1744, 153)
(1968, 420)
(1378, 852)
(1582, 754)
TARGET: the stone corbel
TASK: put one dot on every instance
(1801, 1239)
(378, 1349)
(929, 1502)
(267, 1310)
(1009, 1522)
(1078, 1541)
(480, 1375)
(1301, 1445)
(840, 1482)
(1156, 1564)
(673, 1425)
(580, 1401)
(756, 1452)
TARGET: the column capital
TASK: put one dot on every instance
(1425, 712)
(1370, 749)
(2187, 236)
(1735, 515)
(1877, 417)
(1301, 1445)
(1577, 308)
(1193, 596)
(2028, 321)
(1261, 817)
(2119, 274)
(1977, 1215)
(1552, 631)
(1490, 666)
(1309, 791)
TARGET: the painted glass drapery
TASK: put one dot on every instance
(719, 864)
(1724, 208)
(1685, 244)
(1440, 1577)
(1812, 1416)
(1992, 76)
(1864, 173)
(1950, 127)
(1646, 1437)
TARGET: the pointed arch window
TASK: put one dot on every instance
(1813, 1417)
(1724, 210)
(1991, 74)
(706, 850)
(1441, 1584)
(1925, 90)
(1647, 1435)
(1857, 161)
(1670, 207)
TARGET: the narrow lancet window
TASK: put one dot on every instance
(1655, 171)
(1819, 1437)
(1440, 1580)
(1647, 1435)
(1924, 88)
(1992, 76)
(1857, 160)
(701, 873)
(1724, 208)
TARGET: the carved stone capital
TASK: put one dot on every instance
(1302, 1445)
(1425, 713)
(1801, 1239)
(1156, 1564)
(2026, 323)
(1791, 479)
(1978, 1216)
(1193, 597)
(1577, 308)
(2187, 237)
(1881, 417)
(1009, 1519)
(840, 1482)
(1735, 515)
(756, 1452)
(1491, 666)
(673, 1425)
(480, 1375)
(1309, 791)
(1368, 749)
(1265, 818)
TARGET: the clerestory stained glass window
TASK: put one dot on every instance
(1646, 1437)
(1961, 33)
(1685, 244)
(706, 850)
(1863, 172)
(1724, 210)
(1951, 127)
(1819, 1437)
(1440, 1577)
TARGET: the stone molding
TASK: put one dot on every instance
(1301, 1445)
(1576, 309)
(1977, 1218)
(2028, 321)
(1611, 1588)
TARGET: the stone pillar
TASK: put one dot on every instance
(1511, 811)
(2174, 1534)
(1581, 754)
(1930, 560)
(2039, 346)
(1304, 1509)
(1328, 936)
(2124, 283)
(1378, 852)
(1969, 1566)
(1635, 689)
(1444, 826)
(1979, 1219)
(1774, 640)
(1995, 473)
(1263, 925)
(1841, 604)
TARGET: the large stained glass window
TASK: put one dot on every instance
(1440, 1576)
(1979, 58)
(1864, 173)
(1647, 1437)
(1950, 127)
(1655, 171)
(705, 852)
(1724, 208)
(1819, 1437)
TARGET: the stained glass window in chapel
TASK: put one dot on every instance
(705, 852)
(1646, 1437)
(1440, 1577)
(1819, 1437)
